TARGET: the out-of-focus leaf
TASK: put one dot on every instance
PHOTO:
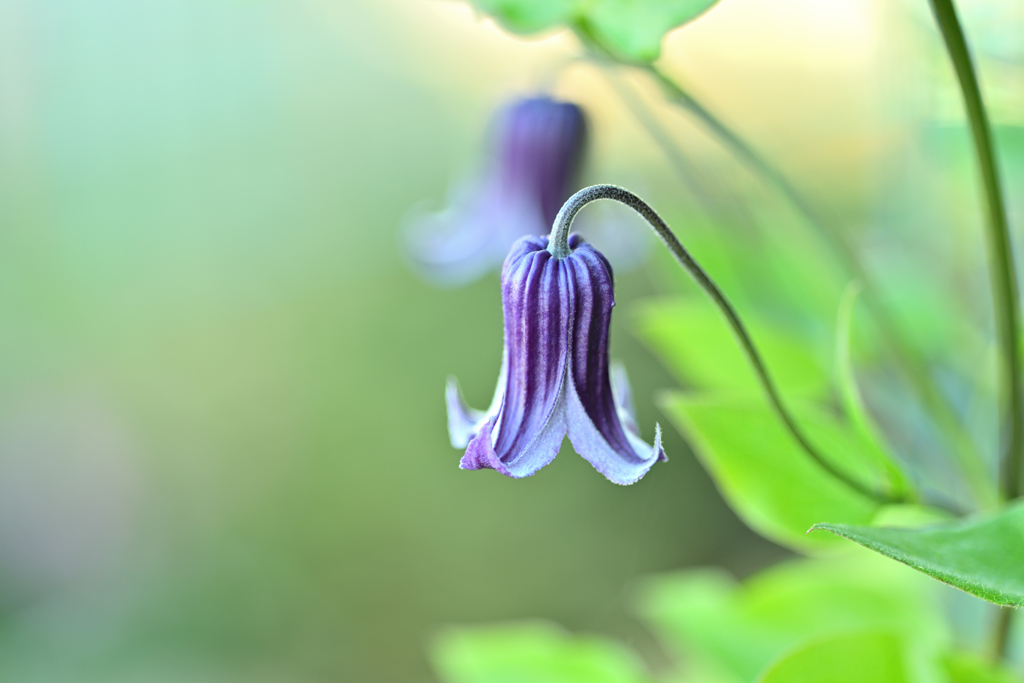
(875, 657)
(693, 340)
(738, 630)
(914, 296)
(530, 16)
(630, 29)
(535, 652)
(983, 556)
(764, 474)
(633, 29)
(850, 394)
(909, 516)
(962, 667)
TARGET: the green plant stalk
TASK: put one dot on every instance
(1004, 282)
(1001, 633)
(559, 248)
(934, 400)
(687, 170)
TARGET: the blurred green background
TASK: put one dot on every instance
(223, 453)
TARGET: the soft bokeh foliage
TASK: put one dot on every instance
(222, 443)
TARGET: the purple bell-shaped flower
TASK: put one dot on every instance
(538, 148)
(555, 378)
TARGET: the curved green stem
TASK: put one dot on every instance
(1004, 281)
(936, 402)
(559, 247)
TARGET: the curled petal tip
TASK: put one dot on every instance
(657, 444)
(463, 421)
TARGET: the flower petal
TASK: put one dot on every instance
(601, 428)
(471, 237)
(529, 426)
(527, 459)
(618, 465)
(593, 299)
(536, 152)
(540, 147)
(555, 373)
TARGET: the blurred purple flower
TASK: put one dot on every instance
(554, 376)
(539, 147)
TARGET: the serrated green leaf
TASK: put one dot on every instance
(983, 556)
(763, 473)
(535, 652)
(633, 29)
(875, 657)
(529, 16)
(738, 629)
(697, 345)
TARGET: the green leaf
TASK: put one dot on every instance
(763, 473)
(739, 629)
(529, 16)
(698, 346)
(535, 652)
(875, 657)
(633, 29)
(983, 556)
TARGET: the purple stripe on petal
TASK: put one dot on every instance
(541, 450)
(555, 372)
(593, 312)
(537, 312)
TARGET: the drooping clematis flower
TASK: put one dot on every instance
(539, 145)
(554, 378)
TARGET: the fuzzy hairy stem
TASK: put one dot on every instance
(559, 247)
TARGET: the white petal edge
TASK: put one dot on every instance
(595, 449)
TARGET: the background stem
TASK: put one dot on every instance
(936, 402)
(1004, 281)
(1001, 633)
(705, 187)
